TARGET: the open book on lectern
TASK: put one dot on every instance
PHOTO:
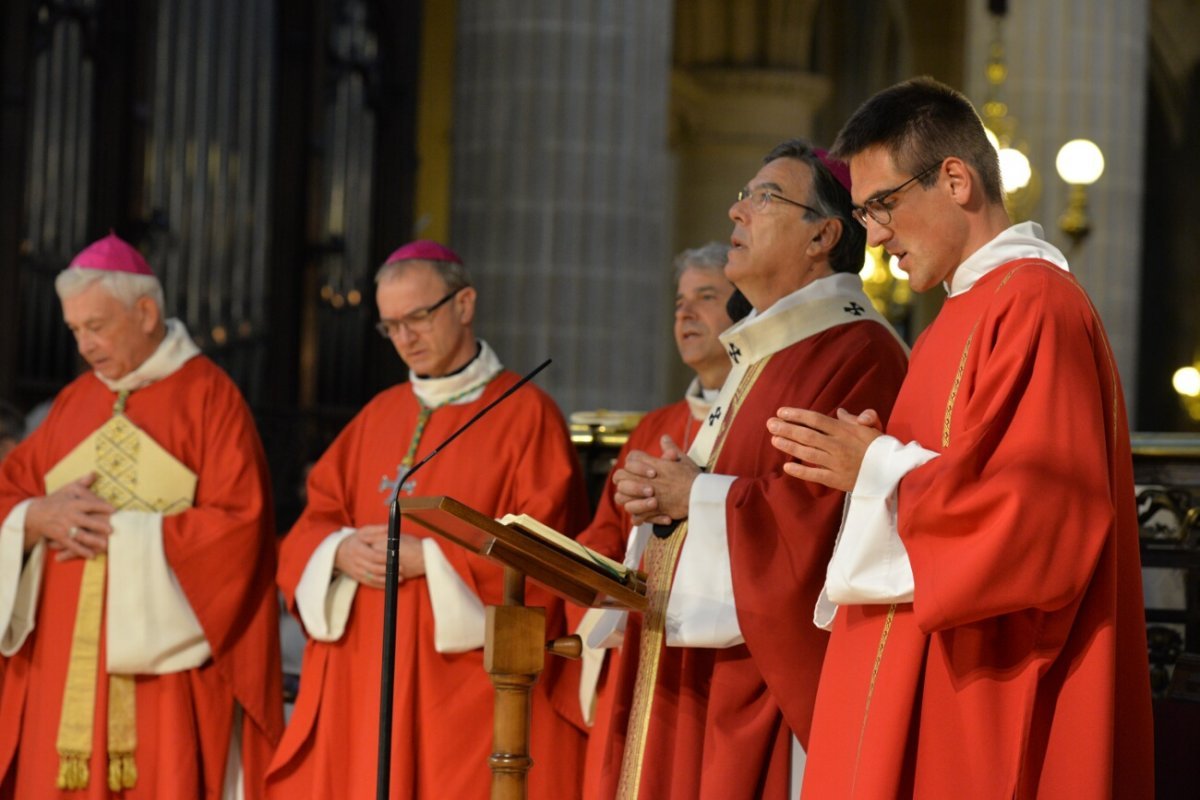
(564, 566)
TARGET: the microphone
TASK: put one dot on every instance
(387, 676)
(393, 501)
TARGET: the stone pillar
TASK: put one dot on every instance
(561, 191)
(1078, 69)
(740, 85)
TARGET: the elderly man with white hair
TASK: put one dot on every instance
(137, 611)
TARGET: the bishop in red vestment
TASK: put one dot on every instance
(186, 603)
(715, 685)
(985, 594)
(519, 459)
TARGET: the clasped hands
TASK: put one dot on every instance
(72, 520)
(829, 450)
(656, 490)
(363, 556)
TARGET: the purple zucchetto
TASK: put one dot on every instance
(424, 250)
(838, 169)
(112, 254)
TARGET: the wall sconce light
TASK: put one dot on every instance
(1186, 382)
(1080, 163)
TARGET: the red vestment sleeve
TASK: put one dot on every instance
(223, 548)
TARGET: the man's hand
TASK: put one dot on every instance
(72, 520)
(363, 556)
(656, 490)
(831, 450)
(411, 557)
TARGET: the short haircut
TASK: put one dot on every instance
(453, 274)
(832, 199)
(126, 287)
(922, 122)
(707, 256)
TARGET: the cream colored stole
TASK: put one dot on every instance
(133, 473)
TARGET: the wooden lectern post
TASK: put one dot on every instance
(513, 655)
(515, 645)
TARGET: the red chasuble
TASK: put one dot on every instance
(519, 459)
(1020, 668)
(222, 551)
(609, 534)
(722, 719)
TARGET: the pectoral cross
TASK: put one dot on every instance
(855, 309)
(388, 486)
(734, 352)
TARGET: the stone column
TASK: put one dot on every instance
(1078, 69)
(561, 191)
(741, 84)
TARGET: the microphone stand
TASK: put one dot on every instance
(391, 581)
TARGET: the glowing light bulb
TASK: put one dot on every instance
(1080, 162)
(1014, 169)
(1186, 381)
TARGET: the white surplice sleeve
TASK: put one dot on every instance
(700, 610)
(323, 600)
(20, 580)
(459, 619)
(604, 628)
(869, 563)
(152, 629)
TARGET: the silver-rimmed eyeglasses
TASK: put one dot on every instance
(760, 198)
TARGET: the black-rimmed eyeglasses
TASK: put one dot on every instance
(879, 207)
(419, 321)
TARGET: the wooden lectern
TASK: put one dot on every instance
(515, 643)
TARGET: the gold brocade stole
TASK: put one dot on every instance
(662, 555)
(116, 448)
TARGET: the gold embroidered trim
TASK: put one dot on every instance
(862, 734)
(661, 558)
(117, 450)
(891, 615)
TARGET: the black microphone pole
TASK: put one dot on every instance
(391, 579)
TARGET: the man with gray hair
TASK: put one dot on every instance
(137, 611)
(333, 562)
(701, 297)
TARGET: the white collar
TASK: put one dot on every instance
(794, 317)
(1023, 240)
(464, 386)
(699, 399)
(172, 353)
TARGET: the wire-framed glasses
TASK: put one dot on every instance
(761, 198)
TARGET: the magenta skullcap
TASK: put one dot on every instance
(424, 250)
(112, 254)
(838, 169)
